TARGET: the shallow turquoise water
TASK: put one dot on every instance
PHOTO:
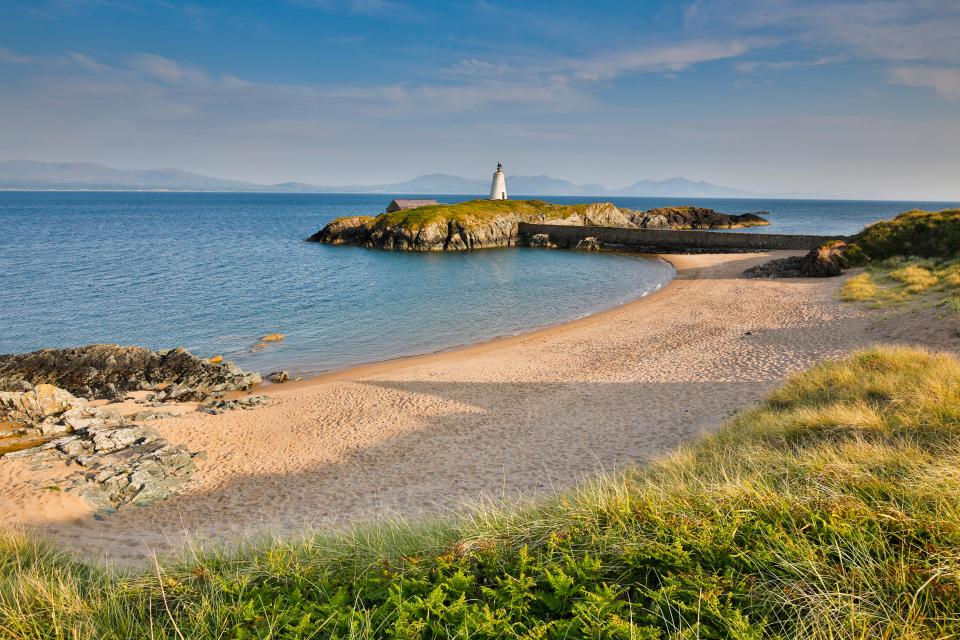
(212, 272)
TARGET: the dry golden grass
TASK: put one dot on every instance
(907, 280)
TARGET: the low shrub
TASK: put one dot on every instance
(924, 234)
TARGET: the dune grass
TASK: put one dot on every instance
(899, 280)
(832, 510)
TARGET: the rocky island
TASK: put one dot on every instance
(481, 224)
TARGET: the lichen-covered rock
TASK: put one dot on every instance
(349, 230)
(109, 370)
(120, 462)
(279, 377)
(42, 401)
(826, 261)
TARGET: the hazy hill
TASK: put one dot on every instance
(30, 174)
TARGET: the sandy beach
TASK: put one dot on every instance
(529, 413)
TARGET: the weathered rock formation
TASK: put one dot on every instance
(109, 370)
(693, 218)
(37, 404)
(117, 462)
(826, 261)
(483, 224)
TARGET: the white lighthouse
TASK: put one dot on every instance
(498, 190)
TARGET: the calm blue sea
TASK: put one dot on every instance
(213, 271)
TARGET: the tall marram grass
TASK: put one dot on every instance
(832, 510)
(934, 282)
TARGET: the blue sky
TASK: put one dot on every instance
(856, 99)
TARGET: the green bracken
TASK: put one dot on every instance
(831, 510)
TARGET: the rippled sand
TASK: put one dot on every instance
(529, 413)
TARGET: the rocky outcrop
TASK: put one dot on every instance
(826, 261)
(219, 405)
(589, 243)
(349, 230)
(541, 240)
(694, 218)
(481, 224)
(116, 462)
(37, 404)
(109, 370)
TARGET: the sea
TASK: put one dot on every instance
(213, 272)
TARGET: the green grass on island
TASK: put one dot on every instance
(470, 212)
(831, 510)
(474, 211)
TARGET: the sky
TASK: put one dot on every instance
(838, 98)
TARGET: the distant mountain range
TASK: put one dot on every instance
(33, 175)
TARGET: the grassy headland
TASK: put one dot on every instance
(913, 257)
(829, 511)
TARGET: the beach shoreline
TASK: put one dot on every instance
(521, 415)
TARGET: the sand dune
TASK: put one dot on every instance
(524, 414)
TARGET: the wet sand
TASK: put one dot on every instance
(529, 413)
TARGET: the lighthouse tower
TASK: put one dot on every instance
(498, 190)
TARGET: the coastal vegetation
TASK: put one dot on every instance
(914, 253)
(828, 511)
(924, 234)
(914, 257)
(897, 280)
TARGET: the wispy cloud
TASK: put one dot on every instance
(944, 80)
(665, 59)
(10, 57)
(88, 63)
(753, 66)
(169, 71)
(359, 7)
(916, 39)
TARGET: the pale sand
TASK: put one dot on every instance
(530, 413)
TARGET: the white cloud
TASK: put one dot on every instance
(881, 29)
(753, 66)
(944, 80)
(169, 71)
(670, 58)
(87, 62)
